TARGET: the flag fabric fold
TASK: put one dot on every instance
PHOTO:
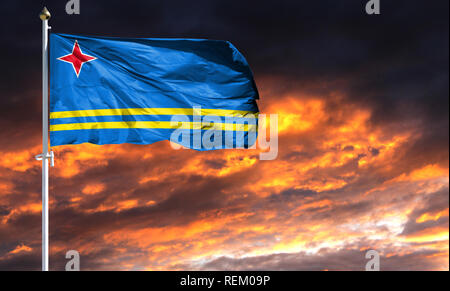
(198, 93)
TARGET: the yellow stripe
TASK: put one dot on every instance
(153, 111)
(153, 124)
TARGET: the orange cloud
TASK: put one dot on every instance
(93, 188)
(20, 249)
(432, 216)
(314, 197)
(430, 235)
(428, 172)
(21, 161)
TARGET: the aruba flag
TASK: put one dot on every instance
(141, 90)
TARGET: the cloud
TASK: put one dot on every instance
(432, 214)
(326, 260)
(363, 148)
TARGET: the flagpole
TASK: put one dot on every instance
(45, 156)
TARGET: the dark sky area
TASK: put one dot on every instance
(396, 57)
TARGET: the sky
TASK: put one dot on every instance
(363, 160)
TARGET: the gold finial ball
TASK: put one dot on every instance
(45, 14)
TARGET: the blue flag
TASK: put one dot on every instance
(194, 92)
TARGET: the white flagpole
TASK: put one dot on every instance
(45, 156)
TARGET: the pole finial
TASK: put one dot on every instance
(45, 14)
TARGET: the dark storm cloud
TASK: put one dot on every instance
(21, 262)
(396, 63)
(326, 259)
(400, 55)
(183, 200)
(432, 204)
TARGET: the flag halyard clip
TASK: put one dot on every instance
(50, 155)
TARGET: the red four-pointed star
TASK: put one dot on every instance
(77, 58)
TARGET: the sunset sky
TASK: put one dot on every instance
(363, 157)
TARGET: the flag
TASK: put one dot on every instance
(195, 92)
